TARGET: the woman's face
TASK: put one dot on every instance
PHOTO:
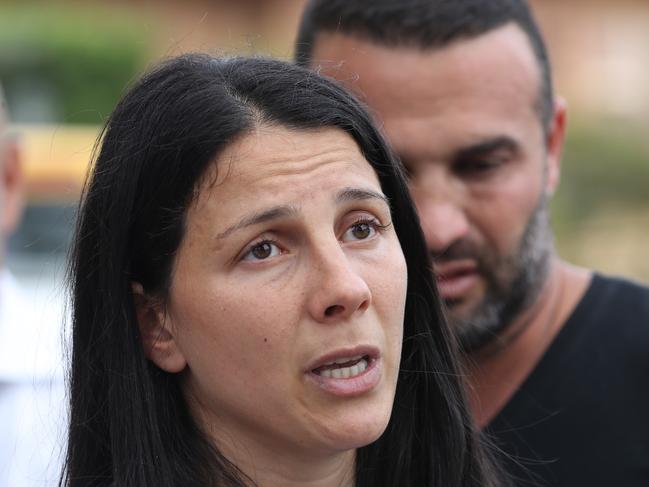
(287, 298)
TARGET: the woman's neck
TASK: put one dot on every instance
(268, 463)
(291, 469)
(335, 473)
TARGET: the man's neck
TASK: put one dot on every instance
(497, 371)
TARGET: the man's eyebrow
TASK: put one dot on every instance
(357, 194)
(488, 145)
(261, 217)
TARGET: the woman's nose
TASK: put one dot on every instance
(338, 290)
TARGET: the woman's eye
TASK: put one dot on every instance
(262, 251)
(360, 231)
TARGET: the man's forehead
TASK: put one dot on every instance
(464, 88)
(501, 60)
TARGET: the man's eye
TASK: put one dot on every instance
(477, 166)
(261, 251)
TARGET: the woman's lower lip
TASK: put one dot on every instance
(457, 286)
(352, 386)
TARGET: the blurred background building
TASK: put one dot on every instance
(64, 63)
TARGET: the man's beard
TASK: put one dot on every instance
(513, 282)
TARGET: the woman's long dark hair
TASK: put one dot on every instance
(129, 422)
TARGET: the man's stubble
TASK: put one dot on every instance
(513, 282)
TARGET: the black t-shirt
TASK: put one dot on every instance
(582, 416)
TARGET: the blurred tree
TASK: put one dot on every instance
(58, 63)
(605, 164)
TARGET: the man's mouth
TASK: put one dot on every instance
(456, 278)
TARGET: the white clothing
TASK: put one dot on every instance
(32, 397)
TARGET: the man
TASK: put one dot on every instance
(31, 391)
(558, 358)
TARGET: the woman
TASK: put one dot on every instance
(239, 284)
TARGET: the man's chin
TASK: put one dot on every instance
(458, 280)
(459, 312)
(463, 300)
(474, 322)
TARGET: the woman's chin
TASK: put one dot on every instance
(355, 431)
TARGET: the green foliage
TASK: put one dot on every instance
(85, 52)
(605, 165)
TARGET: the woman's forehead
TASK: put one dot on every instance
(274, 158)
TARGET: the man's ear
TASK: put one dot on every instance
(555, 139)
(156, 332)
(12, 185)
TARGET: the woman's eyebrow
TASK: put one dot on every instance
(286, 211)
(356, 194)
(261, 217)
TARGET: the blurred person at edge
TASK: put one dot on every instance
(558, 356)
(31, 387)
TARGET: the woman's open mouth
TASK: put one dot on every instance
(348, 373)
(344, 368)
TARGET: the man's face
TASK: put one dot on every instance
(464, 121)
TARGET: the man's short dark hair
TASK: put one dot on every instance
(424, 24)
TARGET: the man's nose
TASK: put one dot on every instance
(443, 223)
(337, 288)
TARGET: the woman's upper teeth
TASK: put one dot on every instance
(345, 372)
(343, 360)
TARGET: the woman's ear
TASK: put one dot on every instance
(156, 332)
